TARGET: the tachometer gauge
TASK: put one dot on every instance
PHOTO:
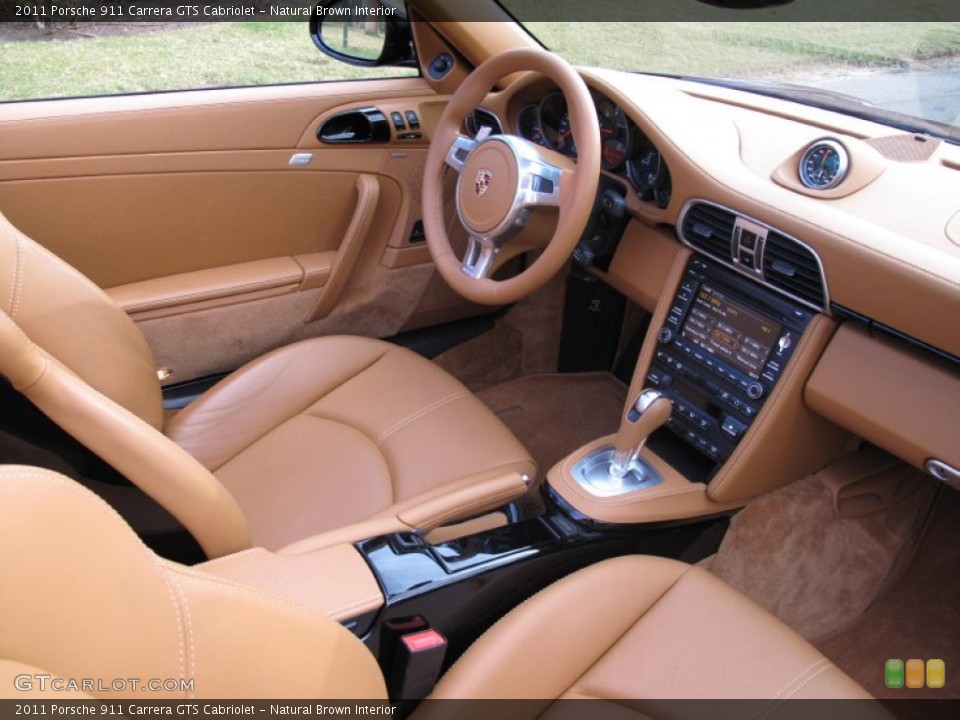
(824, 165)
(644, 169)
(528, 124)
(614, 134)
(555, 124)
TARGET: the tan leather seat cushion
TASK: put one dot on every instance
(82, 597)
(352, 426)
(643, 627)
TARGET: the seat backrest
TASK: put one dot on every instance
(82, 361)
(83, 598)
(74, 321)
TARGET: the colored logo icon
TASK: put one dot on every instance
(893, 673)
(936, 674)
(915, 673)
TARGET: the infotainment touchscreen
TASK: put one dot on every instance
(728, 330)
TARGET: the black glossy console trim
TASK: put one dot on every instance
(463, 586)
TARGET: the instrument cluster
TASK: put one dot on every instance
(625, 150)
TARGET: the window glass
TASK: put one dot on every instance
(69, 60)
(884, 70)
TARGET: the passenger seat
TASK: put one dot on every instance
(82, 597)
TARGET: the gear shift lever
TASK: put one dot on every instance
(650, 410)
(618, 469)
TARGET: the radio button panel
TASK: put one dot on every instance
(720, 352)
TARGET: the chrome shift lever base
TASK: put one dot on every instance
(594, 473)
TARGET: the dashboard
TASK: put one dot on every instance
(810, 228)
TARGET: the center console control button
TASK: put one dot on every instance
(732, 427)
(754, 390)
(717, 394)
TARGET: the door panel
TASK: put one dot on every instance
(186, 207)
(119, 229)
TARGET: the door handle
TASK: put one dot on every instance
(368, 192)
(365, 125)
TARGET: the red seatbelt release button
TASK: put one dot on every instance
(423, 641)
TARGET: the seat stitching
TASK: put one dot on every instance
(185, 621)
(242, 589)
(100, 506)
(419, 414)
(339, 385)
(296, 413)
(391, 470)
(17, 286)
(788, 690)
(813, 676)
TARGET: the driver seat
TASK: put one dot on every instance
(347, 437)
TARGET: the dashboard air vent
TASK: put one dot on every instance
(793, 268)
(710, 229)
(479, 118)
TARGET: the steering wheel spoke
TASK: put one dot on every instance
(459, 151)
(478, 260)
(541, 183)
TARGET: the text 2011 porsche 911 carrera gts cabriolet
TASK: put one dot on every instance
(527, 360)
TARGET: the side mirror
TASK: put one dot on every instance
(368, 33)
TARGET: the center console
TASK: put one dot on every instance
(721, 351)
(720, 378)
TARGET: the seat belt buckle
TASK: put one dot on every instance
(412, 655)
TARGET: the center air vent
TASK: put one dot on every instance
(793, 268)
(480, 118)
(709, 229)
(755, 249)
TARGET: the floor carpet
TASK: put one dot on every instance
(818, 572)
(554, 414)
(916, 618)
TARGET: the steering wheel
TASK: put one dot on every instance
(504, 178)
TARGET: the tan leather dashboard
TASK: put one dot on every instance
(887, 237)
(889, 395)
(883, 239)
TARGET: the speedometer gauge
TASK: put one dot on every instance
(824, 165)
(614, 134)
(528, 123)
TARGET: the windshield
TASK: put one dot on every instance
(897, 71)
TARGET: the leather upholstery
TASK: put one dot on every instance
(77, 581)
(643, 627)
(74, 320)
(350, 426)
(627, 629)
(159, 467)
(308, 439)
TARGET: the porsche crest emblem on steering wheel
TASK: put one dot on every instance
(483, 182)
